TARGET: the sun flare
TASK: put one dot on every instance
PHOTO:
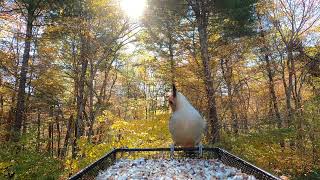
(133, 8)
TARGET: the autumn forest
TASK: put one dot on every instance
(80, 77)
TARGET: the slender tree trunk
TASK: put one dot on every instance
(10, 119)
(76, 71)
(103, 90)
(272, 92)
(38, 130)
(72, 128)
(49, 146)
(1, 102)
(79, 126)
(114, 80)
(99, 132)
(171, 58)
(80, 100)
(298, 110)
(227, 72)
(289, 90)
(22, 83)
(59, 137)
(74, 140)
(270, 74)
(145, 98)
(1, 108)
(27, 108)
(67, 137)
(52, 137)
(283, 76)
(50, 133)
(16, 83)
(91, 96)
(104, 84)
(201, 10)
(245, 121)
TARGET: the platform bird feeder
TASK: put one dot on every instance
(219, 154)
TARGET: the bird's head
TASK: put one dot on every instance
(173, 98)
(178, 101)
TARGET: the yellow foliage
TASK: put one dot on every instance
(141, 133)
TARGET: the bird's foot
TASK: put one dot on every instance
(171, 151)
(200, 149)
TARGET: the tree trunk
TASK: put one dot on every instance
(289, 90)
(22, 83)
(272, 92)
(79, 125)
(49, 145)
(1, 102)
(67, 137)
(171, 57)
(10, 119)
(74, 140)
(59, 136)
(91, 96)
(298, 109)
(52, 136)
(1, 108)
(270, 74)
(15, 73)
(80, 100)
(27, 108)
(76, 72)
(38, 129)
(228, 77)
(201, 10)
(104, 85)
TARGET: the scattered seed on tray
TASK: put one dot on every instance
(178, 169)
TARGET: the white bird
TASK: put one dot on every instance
(186, 124)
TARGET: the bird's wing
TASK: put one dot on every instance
(172, 123)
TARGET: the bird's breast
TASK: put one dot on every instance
(186, 128)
